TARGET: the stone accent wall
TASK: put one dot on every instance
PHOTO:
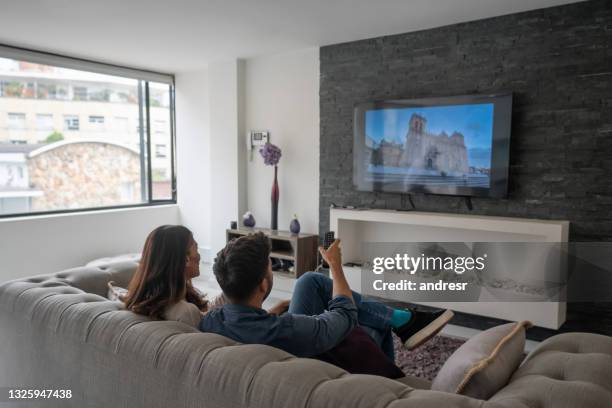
(558, 64)
(85, 175)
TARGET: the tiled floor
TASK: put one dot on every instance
(283, 288)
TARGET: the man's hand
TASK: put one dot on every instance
(279, 308)
(332, 255)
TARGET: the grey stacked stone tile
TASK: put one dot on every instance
(557, 62)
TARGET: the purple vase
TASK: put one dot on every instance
(248, 220)
(295, 226)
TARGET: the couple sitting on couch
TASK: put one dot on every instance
(321, 314)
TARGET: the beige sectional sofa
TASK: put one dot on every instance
(59, 331)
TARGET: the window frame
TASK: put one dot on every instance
(144, 77)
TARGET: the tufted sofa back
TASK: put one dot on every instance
(59, 331)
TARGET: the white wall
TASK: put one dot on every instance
(216, 182)
(227, 169)
(193, 155)
(44, 244)
(282, 96)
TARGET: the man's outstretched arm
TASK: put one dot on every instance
(308, 336)
(313, 335)
(333, 257)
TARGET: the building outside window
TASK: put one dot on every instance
(11, 89)
(16, 121)
(122, 124)
(44, 121)
(71, 122)
(96, 123)
(161, 150)
(104, 163)
(79, 93)
(99, 94)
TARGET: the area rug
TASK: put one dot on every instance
(425, 361)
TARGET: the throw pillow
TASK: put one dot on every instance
(484, 363)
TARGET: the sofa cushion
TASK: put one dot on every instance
(54, 334)
(415, 382)
(569, 370)
(485, 363)
(121, 267)
(133, 257)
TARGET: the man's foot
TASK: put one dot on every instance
(422, 327)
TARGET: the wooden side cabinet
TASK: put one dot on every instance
(292, 254)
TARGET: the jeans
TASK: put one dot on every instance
(312, 293)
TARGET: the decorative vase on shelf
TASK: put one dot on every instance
(248, 220)
(275, 197)
(294, 226)
(271, 155)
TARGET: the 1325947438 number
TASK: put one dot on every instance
(22, 394)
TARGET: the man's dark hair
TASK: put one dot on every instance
(242, 265)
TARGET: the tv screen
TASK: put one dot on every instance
(455, 145)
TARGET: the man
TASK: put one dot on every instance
(321, 313)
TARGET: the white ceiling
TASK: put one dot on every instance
(184, 35)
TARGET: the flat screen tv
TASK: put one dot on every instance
(453, 145)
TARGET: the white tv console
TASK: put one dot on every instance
(356, 227)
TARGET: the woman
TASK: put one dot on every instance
(161, 287)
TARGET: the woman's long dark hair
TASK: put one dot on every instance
(160, 279)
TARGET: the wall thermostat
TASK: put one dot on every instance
(257, 138)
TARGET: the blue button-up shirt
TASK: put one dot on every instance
(301, 335)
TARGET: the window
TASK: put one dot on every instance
(96, 123)
(160, 126)
(161, 137)
(127, 192)
(14, 205)
(79, 93)
(161, 150)
(45, 91)
(17, 121)
(11, 88)
(98, 94)
(71, 122)
(122, 154)
(44, 121)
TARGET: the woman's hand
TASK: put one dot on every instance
(279, 308)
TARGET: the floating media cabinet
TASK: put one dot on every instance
(357, 228)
